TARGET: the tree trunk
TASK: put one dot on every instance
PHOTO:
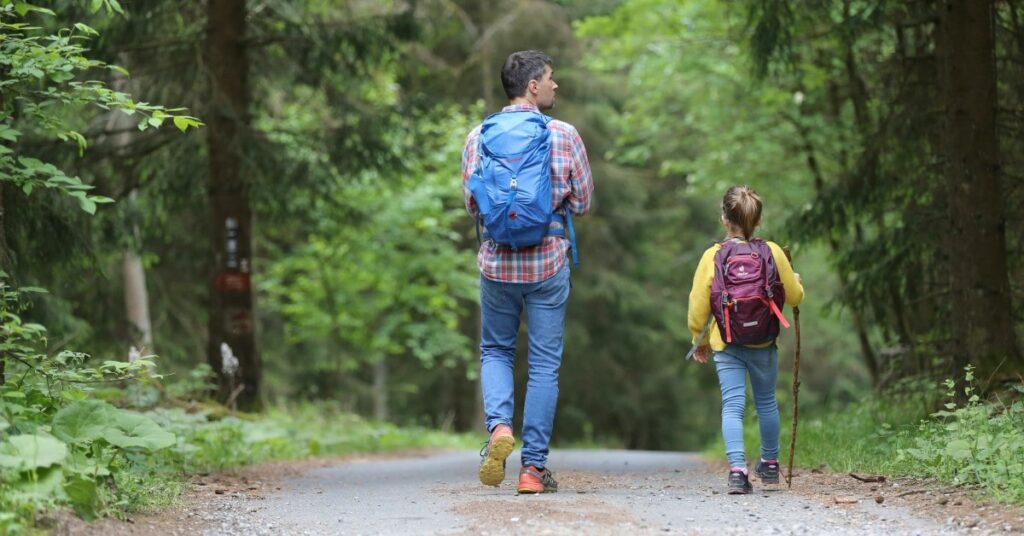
(981, 323)
(136, 301)
(231, 319)
(380, 389)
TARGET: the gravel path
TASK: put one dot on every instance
(601, 492)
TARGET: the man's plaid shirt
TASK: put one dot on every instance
(571, 186)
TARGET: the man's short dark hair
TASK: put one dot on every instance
(520, 68)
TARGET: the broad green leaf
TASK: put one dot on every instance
(82, 422)
(25, 452)
(88, 205)
(9, 134)
(42, 484)
(78, 463)
(134, 430)
(81, 492)
(958, 449)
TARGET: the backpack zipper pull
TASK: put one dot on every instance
(514, 184)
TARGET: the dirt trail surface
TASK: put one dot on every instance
(601, 492)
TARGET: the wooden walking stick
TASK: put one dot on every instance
(796, 384)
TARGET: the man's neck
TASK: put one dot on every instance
(522, 101)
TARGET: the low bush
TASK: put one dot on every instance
(110, 438)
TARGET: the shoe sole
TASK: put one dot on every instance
(534, 491)
(492, 470)
(740, 491)
(767, 479)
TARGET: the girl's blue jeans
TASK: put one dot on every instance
(501, 306)
(733, 365)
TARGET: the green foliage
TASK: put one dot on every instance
(55, 445)
(60, 445)
(40, 70)
(975, 443)
(390, 278)
(828, 109)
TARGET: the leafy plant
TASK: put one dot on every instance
(39, 71)
(55, 445)
(973, 442)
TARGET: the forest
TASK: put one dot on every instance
(220, 219)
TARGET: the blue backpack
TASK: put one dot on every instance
(512, 182)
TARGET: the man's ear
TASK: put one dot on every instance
(532, 86)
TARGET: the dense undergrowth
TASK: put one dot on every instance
(111, 437)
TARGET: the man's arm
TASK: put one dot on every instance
(469, 162)
(581, 182)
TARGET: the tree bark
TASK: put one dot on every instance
(231, 320)
(136, 301)
(380, 389)
(981, 321)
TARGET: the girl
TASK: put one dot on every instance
(741, 214)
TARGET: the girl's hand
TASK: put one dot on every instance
(702, 354)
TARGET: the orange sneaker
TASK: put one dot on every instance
(492, 463)
(533, 480)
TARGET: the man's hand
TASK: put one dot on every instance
(702, 354)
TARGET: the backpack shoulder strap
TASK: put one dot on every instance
(768, 257)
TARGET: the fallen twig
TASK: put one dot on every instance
(873, 478)
(913, 492)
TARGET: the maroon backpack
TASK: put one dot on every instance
(746, 294)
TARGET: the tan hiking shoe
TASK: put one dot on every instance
(493, 455)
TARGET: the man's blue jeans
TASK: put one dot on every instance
(501, 305)
(733, 365)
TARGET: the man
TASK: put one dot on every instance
(534, 278)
